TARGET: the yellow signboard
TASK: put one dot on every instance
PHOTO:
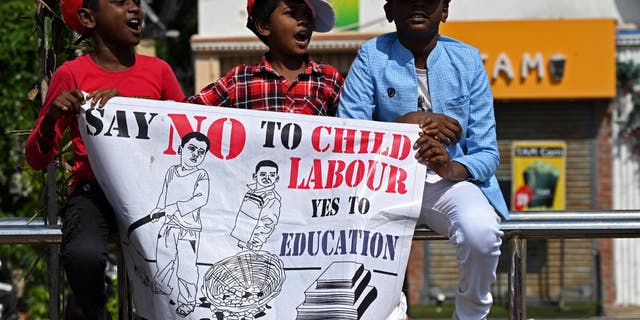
(544, 59)
(538, 175)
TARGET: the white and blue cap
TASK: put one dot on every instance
(324, 18)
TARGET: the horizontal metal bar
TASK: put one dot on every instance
(20, 221)
(30, 234)
(575, 228)
(530, 224)
(576, 215)
(22, 230)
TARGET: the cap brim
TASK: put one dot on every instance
(325, 17)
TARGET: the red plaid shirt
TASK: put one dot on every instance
(260, 87)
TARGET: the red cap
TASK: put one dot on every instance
(250, 6)
(70, 15)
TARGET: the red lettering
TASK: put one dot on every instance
(182, 125)
(315, 176)
(227, 136)
(397, 179)
(230, 131)
(293, 176)
(400, 147)
(364, 141)
(339, 173)
(316, 136)
(355, 173)
(373, 172)
(377, 143)
(344, 137)
(334, 174)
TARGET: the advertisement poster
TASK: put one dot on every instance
(242, 214)
(347, 13)
(539, 175)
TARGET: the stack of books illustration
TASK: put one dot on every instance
(341, 292)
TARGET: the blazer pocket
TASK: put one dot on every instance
(458, 102)
(459, 107)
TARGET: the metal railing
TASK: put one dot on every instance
(16, 230)
(521, 226)
(549, 225)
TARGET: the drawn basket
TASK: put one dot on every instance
(243, 282)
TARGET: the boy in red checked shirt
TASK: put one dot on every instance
(111, 69)
(287, 79)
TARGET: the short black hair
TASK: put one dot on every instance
(195, 135)
(266, 163)
(91, 4)
(261, 13)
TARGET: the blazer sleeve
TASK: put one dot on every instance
(357, 98)
(481, 154)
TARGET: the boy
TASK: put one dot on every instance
(111, 69)
(180, 205)
(260, 209)
(287, 79)
(447, 81)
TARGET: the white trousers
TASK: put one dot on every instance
(460, 211)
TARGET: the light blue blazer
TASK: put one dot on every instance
(382, 86)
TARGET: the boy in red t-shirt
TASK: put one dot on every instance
(112, 69)
(287, 79)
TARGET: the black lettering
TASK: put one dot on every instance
(143, 125)
(94, 121)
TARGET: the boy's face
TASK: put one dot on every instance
(417, 18)
(290, 28)
(119, 22)
(266, 176)
(192, 153)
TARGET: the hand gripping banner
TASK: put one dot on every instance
(243, 214)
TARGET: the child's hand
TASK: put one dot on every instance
(439, 126)
(430, 149)
(67, 102)
(433, 153)
(101, 97)
(442, 128)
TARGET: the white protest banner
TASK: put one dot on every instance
(242, 214)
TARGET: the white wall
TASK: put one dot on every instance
(222, 18)
(227, 18)
(538, 9)
(626, 193)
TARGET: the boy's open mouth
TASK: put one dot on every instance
(418, 16)
(302, 36)
(134, 24)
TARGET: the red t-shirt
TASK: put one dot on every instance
(148, 78)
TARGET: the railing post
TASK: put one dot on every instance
(517, 278)
(53, 263)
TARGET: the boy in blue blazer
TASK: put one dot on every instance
(415, 75)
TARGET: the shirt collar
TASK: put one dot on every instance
(265, 66)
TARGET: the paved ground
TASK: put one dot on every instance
(624, 312)
(615, 313)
